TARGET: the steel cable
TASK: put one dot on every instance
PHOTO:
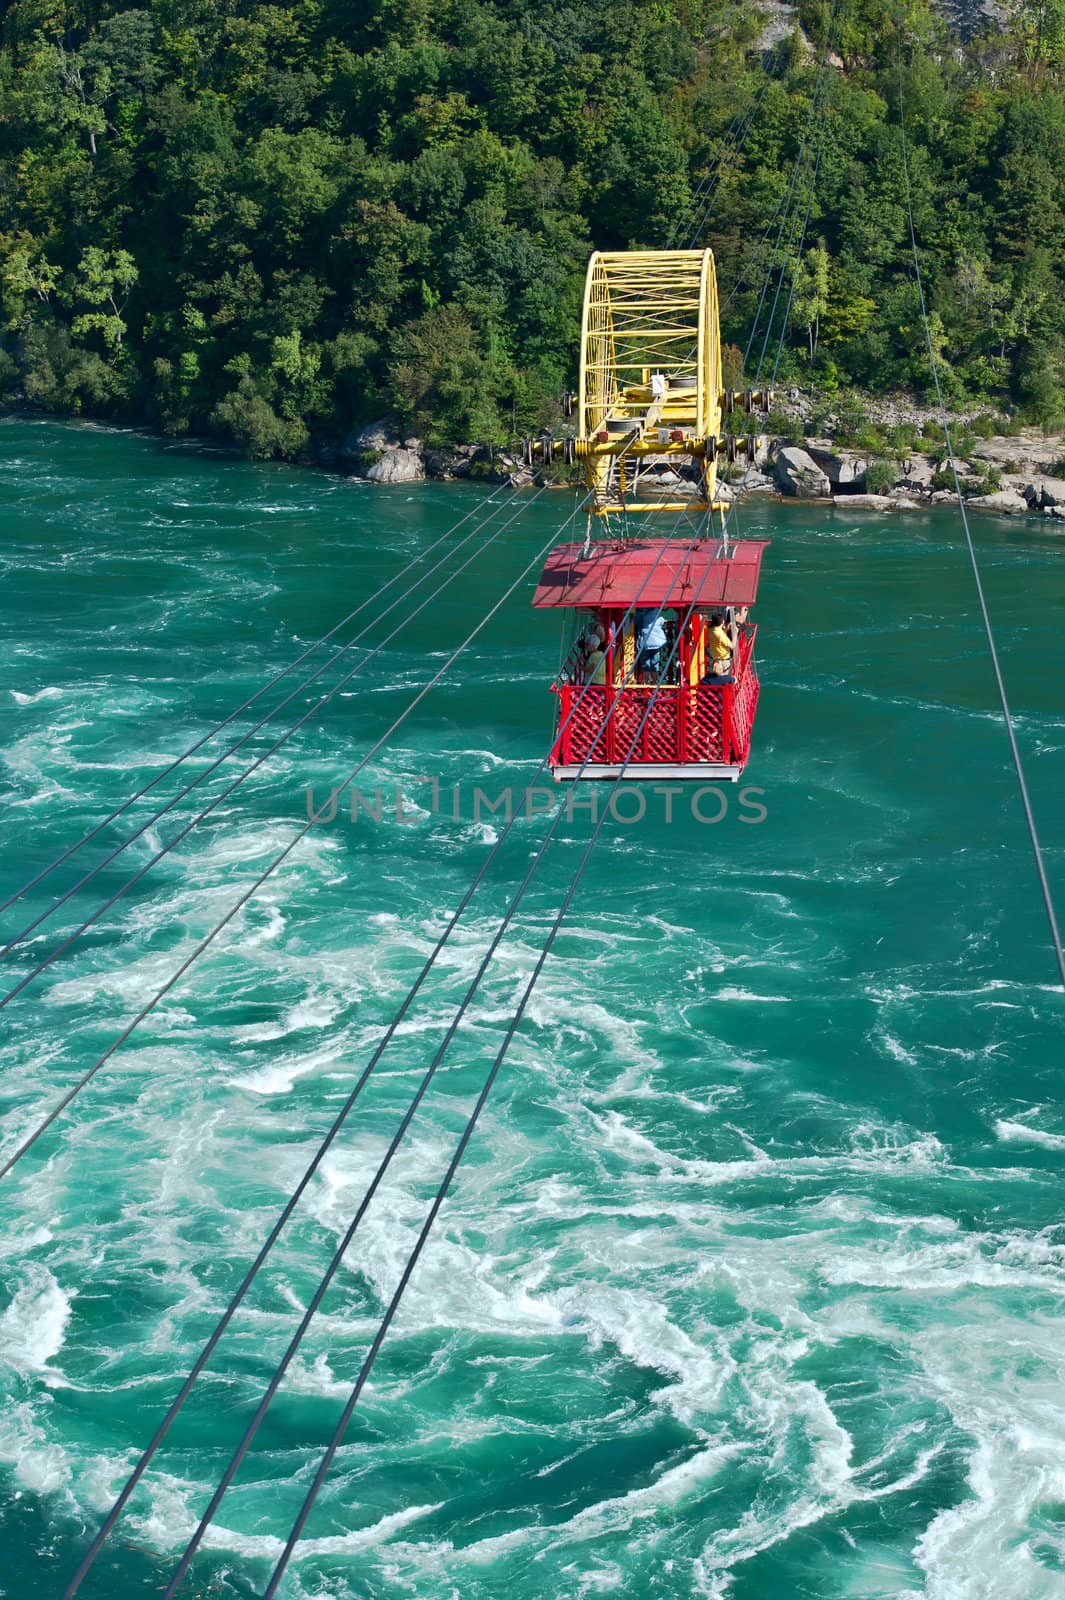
(985, 614)
(467, 1134)
(116, 1510)
(297, 1338)
(279, 1371)
(379, 1337)
(326, 1143)
(86, 1077)
(223, 794)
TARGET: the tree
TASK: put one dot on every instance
(105, 278)
(447, 383)
(25, 272)
(811, 294)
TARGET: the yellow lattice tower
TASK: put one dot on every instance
(650, 375)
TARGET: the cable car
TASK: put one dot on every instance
(700, 722)
(652, 419)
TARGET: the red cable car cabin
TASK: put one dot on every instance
(700, 724)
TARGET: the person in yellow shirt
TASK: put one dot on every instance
(595, 666)
(719, 639)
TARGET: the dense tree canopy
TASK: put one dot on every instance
(270, 221)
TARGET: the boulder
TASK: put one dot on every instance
(755, 482)
(1005, 501)
(1030, 452)
(841, 467)
(917, 474)
(798, 474)
(1051, 492)
(1056, 512)
(875, 502)
(396, 466)
(380, 435)
(445, 464)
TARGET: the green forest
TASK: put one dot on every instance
(269, 222)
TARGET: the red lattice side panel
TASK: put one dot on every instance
(656, 737)
(744, 706)
(704, 738)
(579, 740)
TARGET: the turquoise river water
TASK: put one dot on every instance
(753, 1282)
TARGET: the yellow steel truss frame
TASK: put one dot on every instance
(650, 358)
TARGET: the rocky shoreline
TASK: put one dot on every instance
(1009, 475)
(381, 452)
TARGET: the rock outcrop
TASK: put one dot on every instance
(397, 464)
(875, 502)
(382, 453)
(841, 467)
(1044, 492)
(799, 474)
(1022, 465)
(1005, 501)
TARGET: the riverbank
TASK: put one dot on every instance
(1016, 474)
(813, 455)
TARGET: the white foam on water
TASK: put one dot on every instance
(281, 1076)
(317, 1009)
(1014, 1132)
(37, 1462)
(640, 1327)
(965, 1261)
(749, 994)
(897, 1050)
(871, 1149)
(171, 1521)
(32, 699)
(34, 1322)
(618, 1513)
(1002, 1382)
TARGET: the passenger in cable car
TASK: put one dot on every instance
(720, 644)
(719, 639)
(650, 644)
(595, 657)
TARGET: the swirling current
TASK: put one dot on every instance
(753, 1282)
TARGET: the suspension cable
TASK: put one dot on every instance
(279, 1371)
(375, 1347)
(731, 135)
(816, 119)
(467, 1133)
(290, 1205)
(326, 1143)
(728, 163)
(741, 276)
(223, 794)
(31, 883)
(1007, 715)
(297, 1338)
(146, 1010)
(696, 198)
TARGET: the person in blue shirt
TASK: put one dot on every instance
(650, 644)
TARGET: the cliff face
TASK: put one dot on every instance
(968, 17)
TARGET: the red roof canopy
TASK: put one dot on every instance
(685, 575)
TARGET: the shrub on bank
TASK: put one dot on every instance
(880, 477)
